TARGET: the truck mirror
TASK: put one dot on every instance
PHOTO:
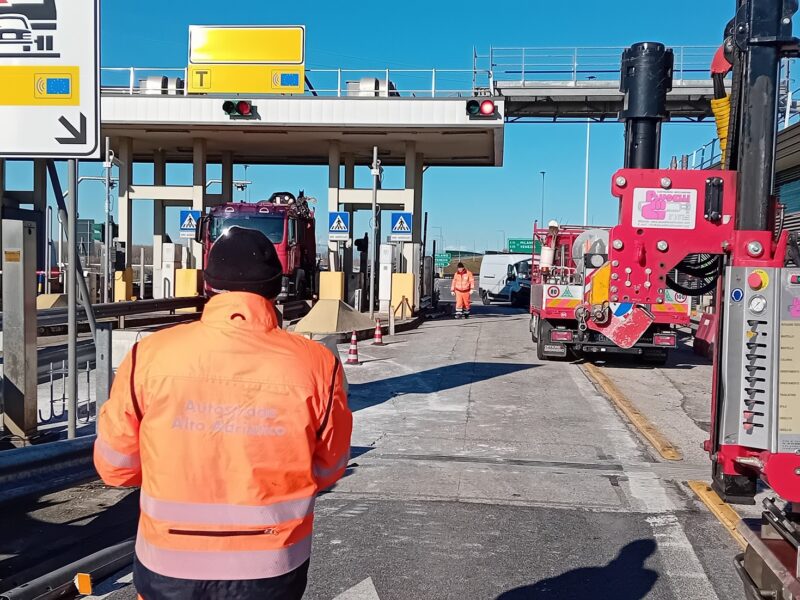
(202, 227)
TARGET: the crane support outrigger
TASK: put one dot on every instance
(721, 228)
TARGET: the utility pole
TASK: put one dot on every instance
(376, 174)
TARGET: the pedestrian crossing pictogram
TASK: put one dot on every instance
(189, 222)
(338, 225)
(401, 226)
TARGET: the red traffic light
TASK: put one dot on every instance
(488, 108)
(238, 109)
(244, 108)
(481, 109)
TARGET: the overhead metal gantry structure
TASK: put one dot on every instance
(557, 84)
(597, 100)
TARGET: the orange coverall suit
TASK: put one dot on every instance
(231, 426)
(462, 286)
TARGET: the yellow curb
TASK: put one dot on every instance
(721, 510)
(661, 444)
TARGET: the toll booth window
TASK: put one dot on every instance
(272, 227)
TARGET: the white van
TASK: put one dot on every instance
(503, 278)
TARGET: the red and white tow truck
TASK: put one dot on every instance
(564, 259)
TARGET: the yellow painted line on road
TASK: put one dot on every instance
(720, 509)
(657, 439)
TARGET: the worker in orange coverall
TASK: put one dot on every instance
(231, 426)
(462, 286)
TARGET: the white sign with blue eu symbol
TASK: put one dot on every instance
(402, 227)
(189, 220)
(339, 226)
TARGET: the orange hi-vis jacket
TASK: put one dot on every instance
(463, 282)
(231, 426)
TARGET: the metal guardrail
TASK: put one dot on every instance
(57, 317)
(332, 83)
(35, 470)
(60, 582)
(574, 64)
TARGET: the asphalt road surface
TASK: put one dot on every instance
(478, 472)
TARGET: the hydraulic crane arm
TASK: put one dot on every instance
(716, 228)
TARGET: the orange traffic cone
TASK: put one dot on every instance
(352, 354)
(378, 339)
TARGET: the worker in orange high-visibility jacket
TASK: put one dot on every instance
(462, 286)
(231, 426)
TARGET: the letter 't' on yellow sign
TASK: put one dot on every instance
(246, 60)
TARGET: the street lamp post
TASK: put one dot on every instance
(586, 183)
(505, 238)
(110, 184)
(441, 239)
(543, 173)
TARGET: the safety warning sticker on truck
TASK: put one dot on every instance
(563, 296)
(675, 303)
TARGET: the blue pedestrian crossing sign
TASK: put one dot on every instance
(189, 220)
(339, 226)
(402, 227)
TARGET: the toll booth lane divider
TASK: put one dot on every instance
(720, 509)
(657, 440)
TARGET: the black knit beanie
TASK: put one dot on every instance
(244, 260)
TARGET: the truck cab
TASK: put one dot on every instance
(287, 221)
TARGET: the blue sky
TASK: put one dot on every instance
(471, 205)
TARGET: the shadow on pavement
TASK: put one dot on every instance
(681, 358)
(32, 544)
(365, 395)
(624, 578)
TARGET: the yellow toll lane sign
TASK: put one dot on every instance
(246, 60)
(40, 85)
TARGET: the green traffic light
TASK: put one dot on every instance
(473, 108)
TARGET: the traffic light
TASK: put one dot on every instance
(239, 109)
(481, 109)
(362, 245)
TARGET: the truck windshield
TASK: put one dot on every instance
(271, 226)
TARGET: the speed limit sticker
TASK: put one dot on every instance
(553, 292)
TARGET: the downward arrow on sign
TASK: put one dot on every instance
(78, 135)
(363, 591)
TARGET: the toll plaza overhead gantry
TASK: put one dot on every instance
(413, 133)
